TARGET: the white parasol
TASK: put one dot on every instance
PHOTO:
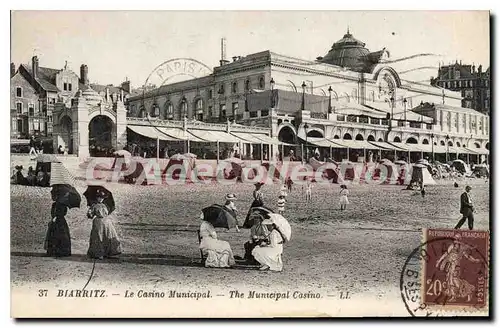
(282, 225)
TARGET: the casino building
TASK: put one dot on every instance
(348, 104)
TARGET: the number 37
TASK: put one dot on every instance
(42, 293)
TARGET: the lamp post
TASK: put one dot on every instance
(447, 147)
(303, 96)
(432, 143)
(404, 103)
(272, 92)
(307, 152)
(330, 101)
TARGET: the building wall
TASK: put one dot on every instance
(24, 123)
(70, 79)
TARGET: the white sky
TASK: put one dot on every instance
(119, 44)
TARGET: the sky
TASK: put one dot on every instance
(130, 44)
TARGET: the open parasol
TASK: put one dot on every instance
(219, 216)
(282, 225)
(400, 162)
(264, 211)
(66, 195)
(95, 191)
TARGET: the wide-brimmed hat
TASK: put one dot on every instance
(231, 197)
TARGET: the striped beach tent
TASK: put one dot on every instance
(60, 175)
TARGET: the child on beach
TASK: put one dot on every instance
(281, 204)
(308, 190)
(343, 197)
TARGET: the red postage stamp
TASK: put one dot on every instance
(455, 269)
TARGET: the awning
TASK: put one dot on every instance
(354, 144)
(480, 151)
(410, 147)
(214, 136)
(151, 132)
(385, 145)
(322, 142)
(247, 137)
(268, 140)
(180, 134)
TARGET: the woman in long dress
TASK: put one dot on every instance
(269, 254)
(104, 241)
(218, 252)
(258, 235)
(58, 239)
(257, 202)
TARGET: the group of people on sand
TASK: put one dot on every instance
(264, 246)
(104, 241)
(33, 178)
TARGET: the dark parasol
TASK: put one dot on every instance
(93, 192)
(219, 216)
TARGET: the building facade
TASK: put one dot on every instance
(350, 94)
(473, 85)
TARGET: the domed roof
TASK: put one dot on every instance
(348, 52)
(91, 96)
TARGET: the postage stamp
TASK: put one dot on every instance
(448, 272)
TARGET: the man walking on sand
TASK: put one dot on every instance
(466, 209)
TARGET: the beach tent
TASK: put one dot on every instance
(233, 168)
(385, 172)
(461, 167)
(420, 174)
(330, 169)
(187, 162)
(481, 170)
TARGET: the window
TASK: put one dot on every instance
(210, 94)
(428, 126)
(247, 85)
(65, 86)
(19, 107)
(262, 83)
(235, 108)
(199, 116)
(253, 114)
(340, 118)
(156, 111)
(352, 118)
(49, 118)
(457, 74)
(375, 121)
(210, 111)
(415, 125)
(384, 122)
(222, 112)
(19, 92)
(264, 112)
(184, 108)
(69, 86)
(402, 123)
(222, 90)
(469, 93)
(199, 105)
(234, 87)
(52, 100)
(363, 119)
(31, 110)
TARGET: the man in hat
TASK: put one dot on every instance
(229, 205)
(32, 146)
(466, 209)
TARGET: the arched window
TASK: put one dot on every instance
(169, 110)
(442, 143)
(397, 139)
(450, 143)
(359, 137)
(234, 87)
(222, 89)
(247, 85)
(371, 138)
(425, 142)
(458, 144)
(336, 137)
(335, 96)
(199, 105)
(184, 108)
(411, 140)
(347, 136)
(142, 112)
(210, 94)
(262, 83)
(380, 140)
(155, 111)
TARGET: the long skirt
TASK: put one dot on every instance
(270, 256)
(248, 224)
(219, 253)
(104, 240)
(58, 239)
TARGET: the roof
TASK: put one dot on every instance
(46, 77)
(448, 107)
(102, 88)
(351, 53)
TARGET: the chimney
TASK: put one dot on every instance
(34, 67)
(12, 69)
(126, 86)
(84, 74)
(480, 69)
(235, 58)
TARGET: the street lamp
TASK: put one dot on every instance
(304, 95)
(404, 103)
(447, 147)
(432, 141)
(307, 151)
(330, 100)
(272, 92)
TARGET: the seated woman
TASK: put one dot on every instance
(258, 235)
(268, 254)
(104, 240)
(218, 252)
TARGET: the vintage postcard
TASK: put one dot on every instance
(250, 164)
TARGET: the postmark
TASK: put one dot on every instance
(447, 274)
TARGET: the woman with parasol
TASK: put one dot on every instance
(258, 236)
(58, 239)
(219, 253)
(268, 254)
(104, 241)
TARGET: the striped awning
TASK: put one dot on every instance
(151, 132)
(214, 136)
